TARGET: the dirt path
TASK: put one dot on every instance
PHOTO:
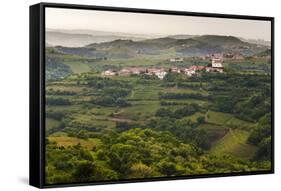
(120, 119)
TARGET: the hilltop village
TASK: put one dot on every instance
(216, 65)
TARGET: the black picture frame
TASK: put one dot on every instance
(37, 91)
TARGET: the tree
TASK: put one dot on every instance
(122, 102)
(262, 131)
(139, 170)
(84, 170)
(163, 112)
(201, 120)
(264, 150)
(166, 167)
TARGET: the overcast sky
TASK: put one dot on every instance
(139, 23)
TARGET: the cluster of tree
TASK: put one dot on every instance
(187, 110)
(246, 96)
(54, 114)
(73, 164)
(261, 137)
(115, 92)
(183, 84)
(59, 92)
(109, 101)
(254, 107)
(111, 96)
(185, 131)
(57, 101)
(182, 96)
(173, 77)
(148, 77)
(170, 103)
(100, 82)
(136, 153)
(55, 68)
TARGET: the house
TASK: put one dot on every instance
(197, 68)
(211, 69)
(108, 73)
(217, 65)
(189, 72)
(124, 72)
(159, 72)
(175, 70)
(177, 59)
(129, 71)
(138, 70)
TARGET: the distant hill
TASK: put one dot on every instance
(264, 53)
(104, 33)
(195, 46)
(182, 36)
(219, 40)
(257, 41)
(79, 38)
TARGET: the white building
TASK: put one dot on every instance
(124, 72)
(160, 74)
(108, 73)
(177, 59)
(175, 70)
(189, 72)
(217, 63)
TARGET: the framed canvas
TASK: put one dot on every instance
(128, 95)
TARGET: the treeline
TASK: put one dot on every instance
(181, 112)
(261, 137)
(59, 92)
(57, 101)
(100, 82)
(182, 96)
(248, 97)
(186, 131)
(110, 97)
(137, 153)
(55, 68)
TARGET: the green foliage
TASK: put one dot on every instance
(262, 131)
(261, 136)
(182, 96)
(147, 127)
(173, 77)
(264, 149)
(200, 120)
(57, 101)
(185, 132)
(140, 170)
(187, 110)
(56, 69)
(84, 170)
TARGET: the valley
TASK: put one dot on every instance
(140, 125)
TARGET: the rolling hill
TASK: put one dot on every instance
(80, 38)
(196, 46)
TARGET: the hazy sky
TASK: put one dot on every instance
(139, 23)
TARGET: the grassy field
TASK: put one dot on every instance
(51, 123)
(218, 118)
(234, 143)
(65, 141)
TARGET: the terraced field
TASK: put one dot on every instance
(65, 141)
(234, 143)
